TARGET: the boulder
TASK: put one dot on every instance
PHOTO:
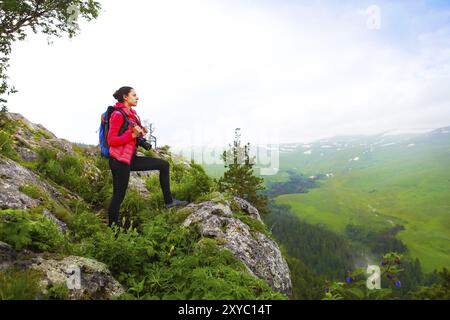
(84, 277)
(7, 255)
(13, 177)
(260, 254)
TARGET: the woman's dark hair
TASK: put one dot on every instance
(124, 91)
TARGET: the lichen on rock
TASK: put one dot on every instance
(95, 280)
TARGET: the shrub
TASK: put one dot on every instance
(57, 292)
(23, 229)
(216, 196)
(7, 146)
(19, 285)
(83, 225)
(190, 183)
(68, 171)
(35, 192)
(206, 272)
(123, 250)
(6, 124)
(167, 261)
(355, 285)
(32, 191)
(135, 209)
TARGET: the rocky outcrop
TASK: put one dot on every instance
(7, 256)
(137, 178)
(29, 136)
(216, 218)
(61, 225)
(83, 277)
(137, 181)
(260, 254)
(13, 179)
(245, 206)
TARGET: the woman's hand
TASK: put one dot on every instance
(137, 131)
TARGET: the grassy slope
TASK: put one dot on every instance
(410, 186)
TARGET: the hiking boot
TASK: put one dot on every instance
(175, 202)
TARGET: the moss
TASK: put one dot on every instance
(58, 292)
(32, 191)
(221, 241)
(206, 242)
(254, 224)
(31, 165)
(62, 213)
(180, 215)
(38, 210)
(44, 134)
(234, 206)
(35, 192)
(214, 196)
(7, 124)
(223, 225)
(22, 123)
(195, 228)
(37, 134)
(7, 145)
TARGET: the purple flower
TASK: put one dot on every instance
(398, 283)
(327, 290)
(348, 279)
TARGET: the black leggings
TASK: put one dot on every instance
(121, 176)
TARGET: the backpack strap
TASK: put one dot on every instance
(126, 121)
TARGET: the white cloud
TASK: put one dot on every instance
(202, 68)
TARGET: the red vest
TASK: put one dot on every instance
(123, 147)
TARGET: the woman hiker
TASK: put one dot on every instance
(123, 157)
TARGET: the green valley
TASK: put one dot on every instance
(404, 180)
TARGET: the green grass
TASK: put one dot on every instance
(32, 191)
(408, 186)
(19, 285)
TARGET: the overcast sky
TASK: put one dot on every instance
(293, 71)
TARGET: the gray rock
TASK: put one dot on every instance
(7, 255)
(61, 225)
(13, 176)
(260, 254)
(245, 206)
(95, 280)
(137, 181)
(27, 154)
(81, 275)
(62, 144)
(91, 171)
(32, 136)
(92, 151)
